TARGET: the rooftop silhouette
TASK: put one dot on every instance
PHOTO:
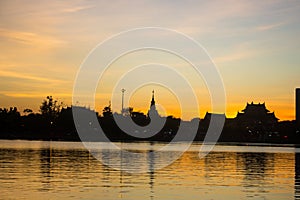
(255, 123)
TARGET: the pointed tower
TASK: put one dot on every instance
(152, 105)
(152, 110)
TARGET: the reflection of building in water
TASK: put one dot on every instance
(46, 160)
(255, 167)
(151, 169)
(297, 175)
(45, 166)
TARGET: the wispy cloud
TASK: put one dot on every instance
(232, 57)
(31, 38)
(269, 26)
(57, 35)
(237, 53)
(77, 8)
(20, 75)
(33, 94)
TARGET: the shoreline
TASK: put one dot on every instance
(242, 144)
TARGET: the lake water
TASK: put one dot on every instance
(66, 170)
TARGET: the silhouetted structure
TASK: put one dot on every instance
(256, 114)
(152, 111)
(298, 108)
(140, 118)
(123, 90)
(254, 124)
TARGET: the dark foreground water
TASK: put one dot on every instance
(66, 170)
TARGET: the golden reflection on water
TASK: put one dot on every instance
(61, 170)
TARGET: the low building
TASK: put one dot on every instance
(257, 121)
(256, 114)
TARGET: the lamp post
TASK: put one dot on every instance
(122, 111)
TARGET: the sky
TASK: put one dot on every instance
(254, 45)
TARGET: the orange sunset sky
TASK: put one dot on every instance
(254, 44)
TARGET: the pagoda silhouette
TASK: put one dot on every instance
(256, 119)
(256, 114)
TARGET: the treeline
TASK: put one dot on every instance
(55, 122)
(32, 125)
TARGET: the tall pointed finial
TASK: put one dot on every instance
(152, 95)
(152, 101)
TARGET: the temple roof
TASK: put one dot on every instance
(256, 108)
(256, 111)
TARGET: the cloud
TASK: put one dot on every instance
(19, 75)
(269, 26)
(237, 52)
(58, 34)
(33, 94)
(76, 8)
(31, 38)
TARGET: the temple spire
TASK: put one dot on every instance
(152, 101)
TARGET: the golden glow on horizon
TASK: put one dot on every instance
(44, 44)
(169, 105)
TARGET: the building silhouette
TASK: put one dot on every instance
(152, 111)
(297, 107)
(256, 122)
(256, 114)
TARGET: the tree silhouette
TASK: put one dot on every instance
(9, 119)
(128, 111)
(107, 111)
(27, 111)
(50, 108)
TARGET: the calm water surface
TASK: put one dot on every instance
(65, 170)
